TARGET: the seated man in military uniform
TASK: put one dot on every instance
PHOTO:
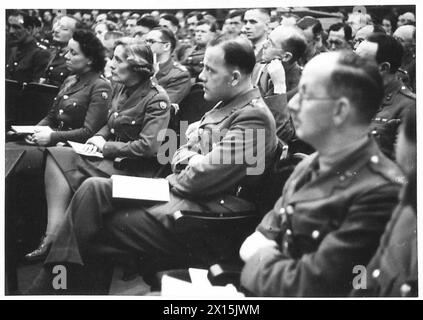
(203, 179)
(387, 52)
(278, 74)
(335, 205)
(171, 75)
(406, 35)
(27, 60)
(56, 71)
(205, 31)
(393, 271)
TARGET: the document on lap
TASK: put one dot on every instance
(126, 187)
(79, 149)
(30, 129)
(176, 288)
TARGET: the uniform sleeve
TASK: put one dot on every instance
(277, 104)
(178, 86)
(95, 117)
(329, 270)
(156, 119)
(228, 160)
(104, 132)
(41, 60)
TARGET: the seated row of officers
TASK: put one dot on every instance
(334, 209)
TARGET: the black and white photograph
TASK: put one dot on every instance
(205, 151)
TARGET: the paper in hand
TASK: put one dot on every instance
(30, 129)
(79, 148)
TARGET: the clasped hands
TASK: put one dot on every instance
(41, 138)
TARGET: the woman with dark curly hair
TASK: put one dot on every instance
(78, 111)
(80, 108)
(139, 111)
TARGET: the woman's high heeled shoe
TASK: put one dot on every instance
(40, 252)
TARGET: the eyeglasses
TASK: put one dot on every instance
(302, 97)
(152, 41)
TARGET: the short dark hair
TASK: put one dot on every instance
(213, 26)
(307, 22)
(167, 35)
(197, 14)
(31, 21)
(377, 28)
(389, 50)
(170, 17)
(238, 52)
(359, 80)
(340, 25)
(296, 44)
(148, 21)
(92, 48)
(235, 13)
(391, 18)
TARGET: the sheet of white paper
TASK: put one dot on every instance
(31, 129)
(140, 188)
(199, 277)
(175, 288)
(79, 148)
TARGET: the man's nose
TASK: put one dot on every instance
(294, 103)
(201, 76)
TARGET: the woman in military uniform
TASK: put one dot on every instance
(80, 108)
(139, 111)
(78, 111)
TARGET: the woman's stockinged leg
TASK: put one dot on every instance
(58, 196)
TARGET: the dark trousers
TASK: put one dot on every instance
(98, 226)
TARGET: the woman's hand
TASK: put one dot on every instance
(29, 139)
(95, 144)
(42, 138)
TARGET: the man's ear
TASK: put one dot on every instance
(236, 78)
(287, 57)
(168, 46)
(385, 67)
(341, 111)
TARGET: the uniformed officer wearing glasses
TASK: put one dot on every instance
(335, 205)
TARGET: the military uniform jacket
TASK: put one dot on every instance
(326, 227)
(27, 62)
(56, 71)
(175, 79)
(194, 61)
(393, 270)
(398, 99)
(132, 126)
(206, 184)
(80, 110)
(277, 103)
